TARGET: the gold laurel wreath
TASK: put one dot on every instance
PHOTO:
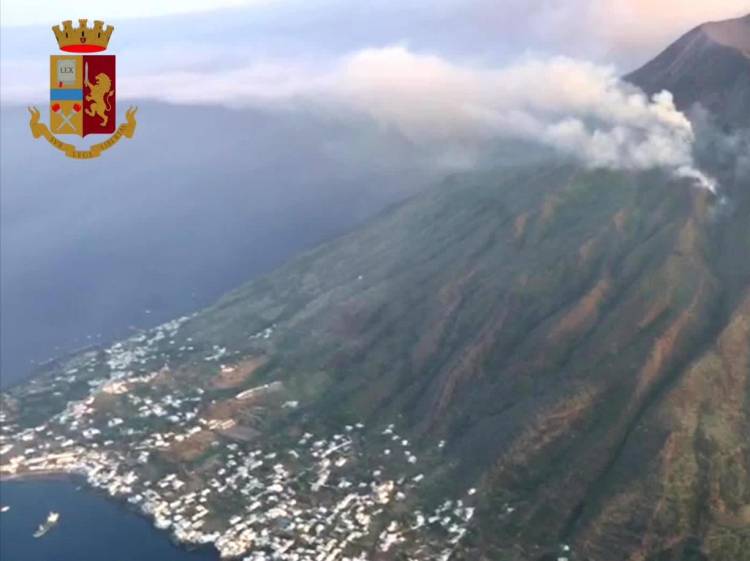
(40, 129)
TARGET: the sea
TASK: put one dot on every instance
(92, 527)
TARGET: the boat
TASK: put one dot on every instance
(4, 508)
(52, 520)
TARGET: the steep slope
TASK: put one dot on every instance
(555, 327)
(681, 490)
(539, 325)
(710, 65)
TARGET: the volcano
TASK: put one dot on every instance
(575, 342)
(579, 339)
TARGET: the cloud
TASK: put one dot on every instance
(240, 33)
(579, 108)
(626, 32)
(47, 12)
(277, 55)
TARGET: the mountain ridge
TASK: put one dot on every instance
(709, 65)
(731, 33)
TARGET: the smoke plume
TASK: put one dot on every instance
(579, 108)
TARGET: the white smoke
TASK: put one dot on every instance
(581, 109)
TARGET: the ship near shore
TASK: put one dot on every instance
(52, 519)
(86, 517)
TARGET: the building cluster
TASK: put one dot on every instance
(352, 495)
(317, 499)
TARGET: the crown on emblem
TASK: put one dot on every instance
(83, 39)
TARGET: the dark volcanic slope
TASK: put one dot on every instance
(710, 65)
(571, 335)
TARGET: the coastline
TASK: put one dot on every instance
(40, 475)
(122, 504)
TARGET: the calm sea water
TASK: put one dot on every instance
(91, 527)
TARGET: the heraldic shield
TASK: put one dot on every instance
(82, 91)
(82, 94)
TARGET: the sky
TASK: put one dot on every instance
(528, 69)
(41, 12)
(284, 40)
(352, 57)
(393, 64)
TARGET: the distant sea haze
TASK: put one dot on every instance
(201, 200)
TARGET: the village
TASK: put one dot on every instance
(354, 494)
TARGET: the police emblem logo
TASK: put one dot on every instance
(82, 91)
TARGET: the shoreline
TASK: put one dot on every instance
(41, 474)
(122, 504)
